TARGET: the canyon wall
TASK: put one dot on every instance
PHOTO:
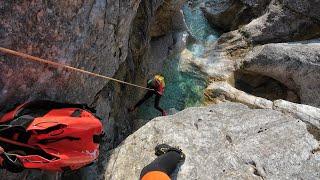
(113, 38)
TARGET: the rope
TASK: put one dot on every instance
(56, 65)
(17, 143)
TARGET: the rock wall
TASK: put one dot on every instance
(169, 18)
(296, 65)
(112, 38)
(280, 41)
(230, 14)
(92, 35)
(285, 21)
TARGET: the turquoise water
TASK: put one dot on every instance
(183, 89)
(197, 23)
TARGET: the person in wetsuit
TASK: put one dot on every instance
(158, 85)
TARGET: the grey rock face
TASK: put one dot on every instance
(92, 35)
(230, 14)
(293, 65)
(111, 38)
(296, 65)
(265, 20)
(218, 92)
(222, 91)
(307, 7)
(225, 141)
(285, 21)
(308, 114)
(168, 19)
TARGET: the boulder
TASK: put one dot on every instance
(308, 114)
(285, 20)
(296, 65)
(230, 14)
(211, 67)
(218, 92)
(224, 141)
(223, 91)
(291, 67)
(266, 21)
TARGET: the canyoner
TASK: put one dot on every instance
(157, 83)
(49, 136)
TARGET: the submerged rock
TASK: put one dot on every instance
(227, 140)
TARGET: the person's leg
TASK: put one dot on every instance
(165, 163)
(157, 106)
(145, 97)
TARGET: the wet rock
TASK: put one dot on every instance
(294, 65)
(230, 141)
(205, 67)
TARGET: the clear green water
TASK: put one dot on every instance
(182, 89)
(197, 23)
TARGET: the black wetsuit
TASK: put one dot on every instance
(148, 95)
(165, 163)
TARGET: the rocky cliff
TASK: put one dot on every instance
(114, 38)
(230, 14)
(274, 54)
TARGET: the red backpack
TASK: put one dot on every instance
(55, 136)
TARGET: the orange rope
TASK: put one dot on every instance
(55, 64)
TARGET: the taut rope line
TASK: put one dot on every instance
(55, 64)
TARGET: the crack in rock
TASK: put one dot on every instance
(313, 130)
